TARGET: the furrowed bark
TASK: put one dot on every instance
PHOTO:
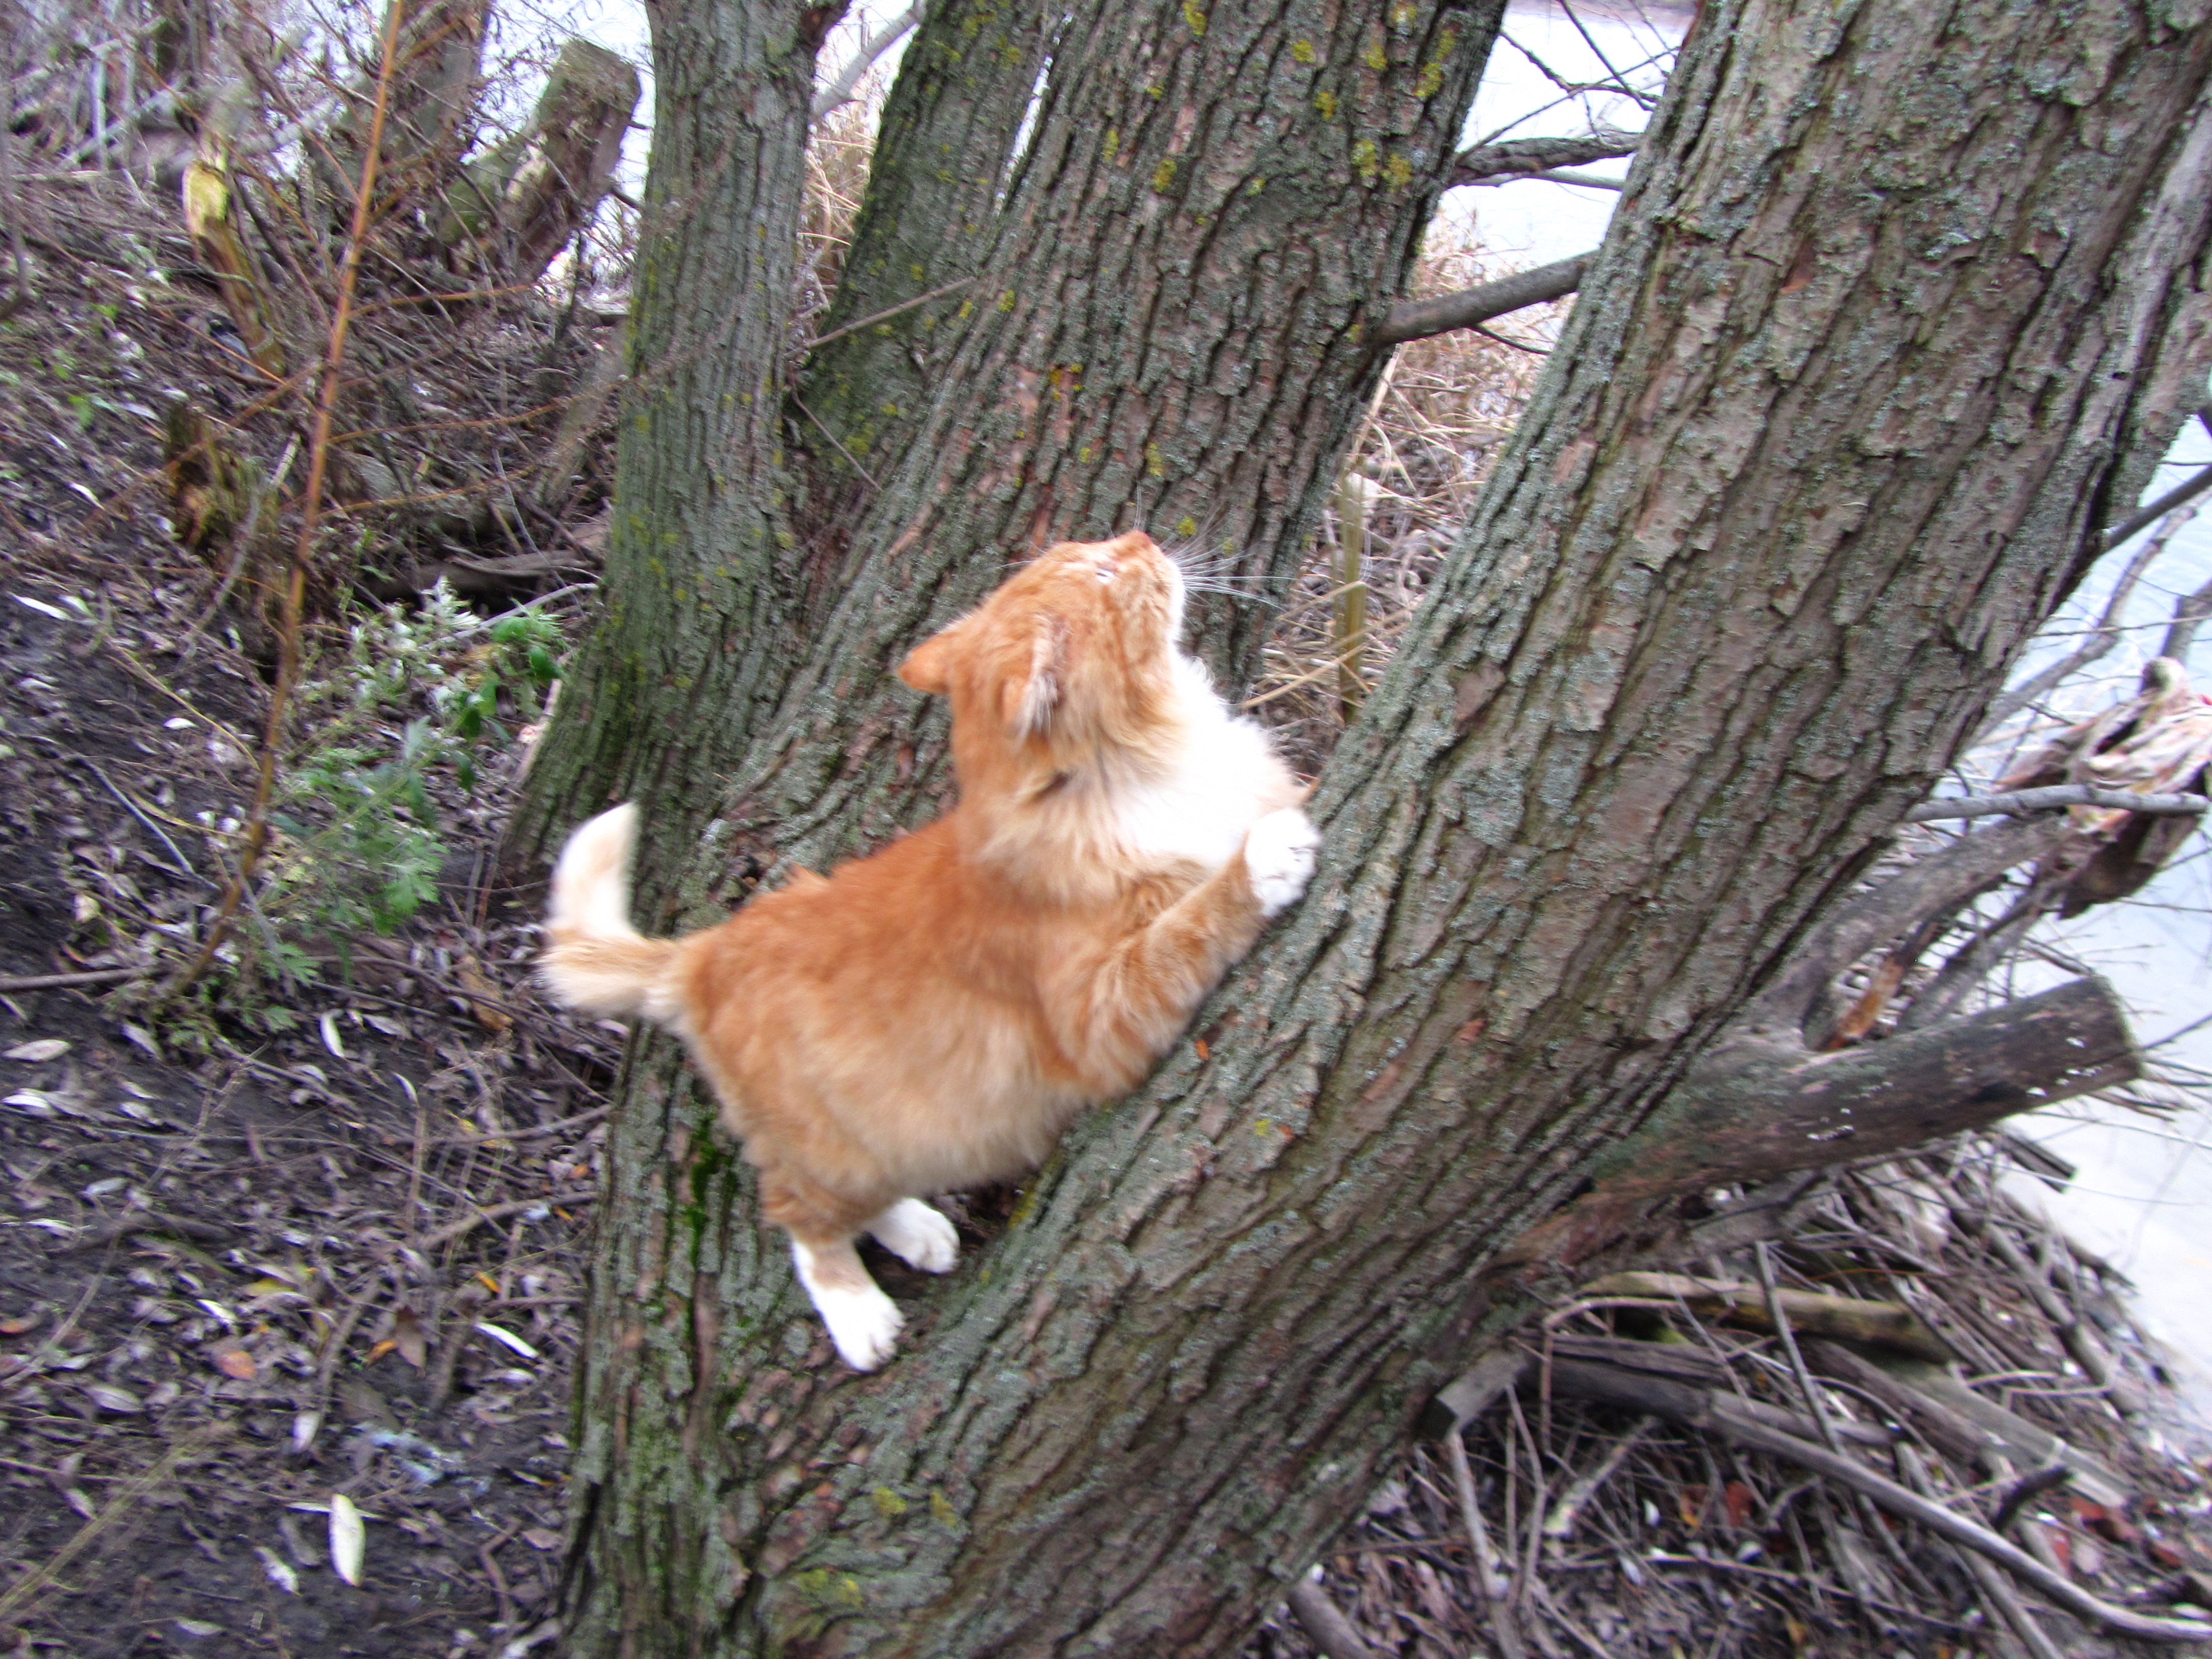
(665, 694)
(1900, 299)
(1157, 314)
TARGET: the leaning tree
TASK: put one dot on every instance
(1900, 305)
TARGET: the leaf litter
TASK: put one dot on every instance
(205, 1230)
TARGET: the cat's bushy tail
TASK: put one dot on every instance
(597, 963)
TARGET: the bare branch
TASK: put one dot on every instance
(1417, 320)
(2101, 638)
(2179, 495)
(1586, 180)
(2181, 633)
(1523, 158)
(2019, 803)
(1748, 1110)
(840, 89)
(1870, 920)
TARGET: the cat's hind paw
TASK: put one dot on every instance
(917, 1236)
(1278, 858)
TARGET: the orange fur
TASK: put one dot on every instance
(932, 1016)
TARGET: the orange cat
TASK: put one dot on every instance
(933, 1016)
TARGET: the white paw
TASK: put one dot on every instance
(917, 1236)
(863, 1321)
(864, 1324)
(1278, 858)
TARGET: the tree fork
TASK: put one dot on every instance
(1157, 340)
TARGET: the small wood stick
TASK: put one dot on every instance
(1486, 1562)
(1560, 1522)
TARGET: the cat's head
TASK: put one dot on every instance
(1072, 660)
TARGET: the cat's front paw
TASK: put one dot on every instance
(1278, 858)
(917, 1236)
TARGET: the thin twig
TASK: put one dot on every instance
(840, 448)
(468, 1224)
(885, 315)
(95, 976)
(295, 588)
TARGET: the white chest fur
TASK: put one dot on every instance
(1225, 778)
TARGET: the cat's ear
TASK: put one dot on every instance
(928, 666)
(1029, 699)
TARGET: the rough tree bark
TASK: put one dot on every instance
(699, 477)
(1901, 303)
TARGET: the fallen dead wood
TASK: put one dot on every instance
(1939, 1425)
(1886, 1324)
(1722, 1414)
(1331, 1632)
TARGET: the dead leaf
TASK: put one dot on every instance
(40, 1050)
(234, 1362)
(542, 1538)
(1738, 1500)
(2106, 1522)
(483, 997)
(17, 1324)
(109, 1398)
(278, 1570)
(349, 1538)
(363, 1404)
(407, 1337)
(1690, 1504)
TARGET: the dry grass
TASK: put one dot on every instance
(1423, 456)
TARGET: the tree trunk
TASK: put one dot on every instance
(1901, 302)
(943, 149)
(694, 603)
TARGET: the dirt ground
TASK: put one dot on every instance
(242, 1268)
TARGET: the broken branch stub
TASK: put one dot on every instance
(1754, 1107)
(528, 197)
